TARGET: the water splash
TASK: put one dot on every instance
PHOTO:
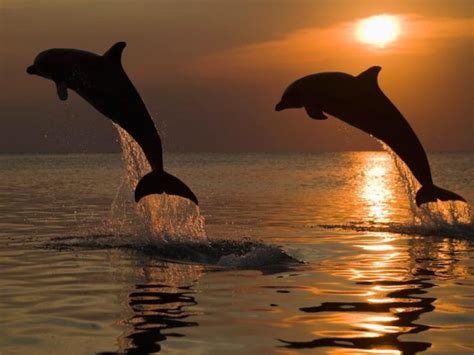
(433, 215)
(122, 215)
(162, 218)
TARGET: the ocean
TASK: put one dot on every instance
(286, 252)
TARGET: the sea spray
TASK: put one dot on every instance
(162, 218)
(122, 219)
(433, 215)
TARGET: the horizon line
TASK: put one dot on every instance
(228, 152)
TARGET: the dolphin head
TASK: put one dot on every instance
(305, 92)
(334, 93)
(49, 64)
(291, 98)
(63, 66)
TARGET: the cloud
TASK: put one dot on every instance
(328, 48)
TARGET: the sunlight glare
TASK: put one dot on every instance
(377, 187)
(378, 30)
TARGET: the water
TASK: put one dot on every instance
(83, 272)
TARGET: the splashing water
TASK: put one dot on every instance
(170, 228)
(432, 215)
(163, 217)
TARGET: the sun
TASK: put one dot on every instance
(378, 30)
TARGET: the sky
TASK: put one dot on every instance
(211, 72)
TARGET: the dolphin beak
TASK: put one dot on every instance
(31, 70)
(279, 106)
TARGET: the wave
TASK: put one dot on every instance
(458, 230)
(224, 253)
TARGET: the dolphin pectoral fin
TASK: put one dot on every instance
(61, 89)
(315, 112)
(158, 182)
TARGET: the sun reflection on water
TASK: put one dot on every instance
(387, 303)
(377, 187)
(388, 307)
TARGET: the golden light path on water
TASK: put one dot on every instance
(383, 304)
(382, 256)
(377, 189)
(390, 278)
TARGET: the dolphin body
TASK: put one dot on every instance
(359, 101)
(102, 81)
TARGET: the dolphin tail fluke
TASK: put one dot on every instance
(158, 182)
(431, 193)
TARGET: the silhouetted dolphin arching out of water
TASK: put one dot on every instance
(102, 81)
(359, 101)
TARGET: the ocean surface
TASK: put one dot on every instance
(291, 253)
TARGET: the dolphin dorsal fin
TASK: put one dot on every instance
(114, 54)
(370, 76)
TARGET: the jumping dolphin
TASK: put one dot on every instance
(359, 101)
(102, 81)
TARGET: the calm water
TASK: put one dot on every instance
(372, 280)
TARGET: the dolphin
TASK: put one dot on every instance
(359, 101)
(102, 82)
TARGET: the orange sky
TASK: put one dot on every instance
(211, 72)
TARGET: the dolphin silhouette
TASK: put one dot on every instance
(102, 81)
(359, 101)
